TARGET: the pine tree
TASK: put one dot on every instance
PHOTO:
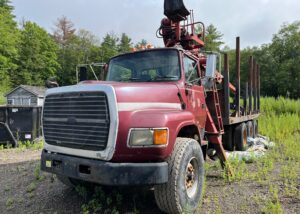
(213, 38)
(142, 43)
(64, 31)
(125, 44)
(109, 46)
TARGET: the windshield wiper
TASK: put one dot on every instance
(167, 77)
(134, 79)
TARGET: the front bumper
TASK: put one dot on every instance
(105, 173)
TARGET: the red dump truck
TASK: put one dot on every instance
(154, 120)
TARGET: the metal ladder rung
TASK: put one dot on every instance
(217, 108)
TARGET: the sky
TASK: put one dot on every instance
(254, 21)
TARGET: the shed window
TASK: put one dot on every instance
(26, 101)
(33, 101)
(19, 101)
(10, 101)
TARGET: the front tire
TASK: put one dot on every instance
(183, 192)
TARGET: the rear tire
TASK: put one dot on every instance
(183, 191)
(255, 128)
(250, 129)
(228, 139)
(240, 137)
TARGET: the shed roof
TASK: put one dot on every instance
(36, 90)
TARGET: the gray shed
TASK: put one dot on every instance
(25, 95)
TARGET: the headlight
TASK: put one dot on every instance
(148, 137)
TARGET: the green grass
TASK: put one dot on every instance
(26, 145)
(280, 121)
(31, 187)
(22, 146)
(279, 106)
(9, 203)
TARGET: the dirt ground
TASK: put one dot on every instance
(24, 189)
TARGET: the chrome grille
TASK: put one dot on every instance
(78, 120)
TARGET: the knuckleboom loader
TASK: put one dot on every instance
(153, 121)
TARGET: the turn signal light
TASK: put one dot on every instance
(160, 137)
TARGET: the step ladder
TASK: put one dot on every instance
(219, 124)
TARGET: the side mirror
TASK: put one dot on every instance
(104, 71)
(210, 72)
(82, 73)
(211, 65)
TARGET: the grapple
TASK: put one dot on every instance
(175, 10)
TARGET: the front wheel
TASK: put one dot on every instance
(183, 191)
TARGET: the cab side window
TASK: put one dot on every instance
(190, 70)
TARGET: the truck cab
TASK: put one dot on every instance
(149, 99)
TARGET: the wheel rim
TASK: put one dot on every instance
(192, 177)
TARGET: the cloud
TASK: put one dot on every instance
(254, 21)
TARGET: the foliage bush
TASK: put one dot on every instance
(281, 105)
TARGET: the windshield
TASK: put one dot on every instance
(148, 66)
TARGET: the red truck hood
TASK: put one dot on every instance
(135, 96)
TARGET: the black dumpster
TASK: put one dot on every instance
(3, 114)
(25, 122)
(6, 136)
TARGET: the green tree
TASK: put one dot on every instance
(6, 5)
(125, 44)
(74, 48)
(38, 56)
(9, 38)
(285, 49)
(109, 46)
(213, 38)
(86, 42)
(143, 42)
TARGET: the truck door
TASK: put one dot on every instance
(194, 91)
